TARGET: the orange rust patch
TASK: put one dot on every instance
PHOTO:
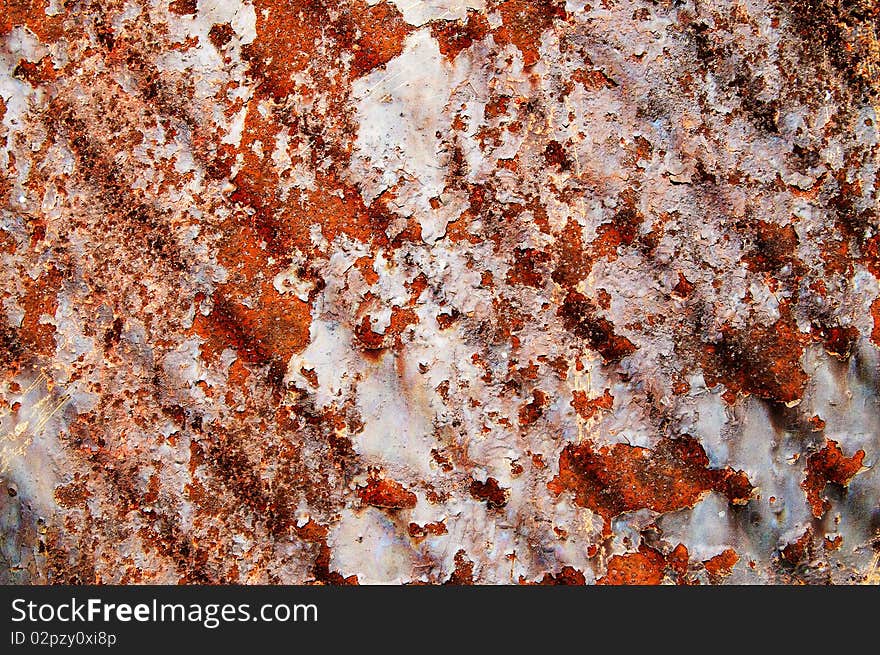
(365, 266)
(490, 492)
(677, 561)
(33, 14)
(833, 543)
(71, 495)
(580, 316)
(526, 269)
(446, 320)
(683, 287)
(828, 465)
(587, 408)
(464, 570)
(765, 361)
(267, 335)
(875, 314)
(289, 35)
(594, 80)
(646, 567)
(382, 31)
(417, 531)
(455, 36)
(183, 7)
(721, 565)
(37, 73)
(532, 411)
(838, 341)
(622, 478)
(871, 255)
(798, 551)
(386, 493)
(622, 230)
(567, 576)
(523, 23)
(312, 531)
(40, 299)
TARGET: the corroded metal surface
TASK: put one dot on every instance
(451, 291)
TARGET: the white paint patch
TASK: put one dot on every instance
(400, 118)
(396, 435)
(330, 355)
(367, 544)
(419, 12)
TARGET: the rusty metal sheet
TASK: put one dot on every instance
(439, 292)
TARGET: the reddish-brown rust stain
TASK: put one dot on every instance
(763, 361)
(497, 106)
(312, 531)
(588, 407)
(321, 569)
(875, 314)
(381, 33)
(572, 262)
(871, 255)
(648, 566)
(828, 465)
(464, 570)
(114, 333)
(220, 34)
(372, 343)
(530, 412)
(453, 36)
(527, 267)
(677, 561)
(523, 23)
(721, 565)
(833, 543)
(226, 457)
(183, 7)
(418, 532)
(567, 576)
(773, 247)
(556, 156)
(373, 35)
(31, 13)
(621, 478)
(645, 567)
(291, 38)
(798, 551)
(580, 316)
(264, 336)
(66, 565)
(838, 341)
(366, 336)
(35, 73)
(71, 495)
(40, 299)
(593, 79)
(290, 33)
(446, 320)
(622, 230)
(490, 492)
(386, 493)
(442, 461)
(683, 287)
(164, 536)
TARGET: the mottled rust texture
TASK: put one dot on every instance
(445, 292)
